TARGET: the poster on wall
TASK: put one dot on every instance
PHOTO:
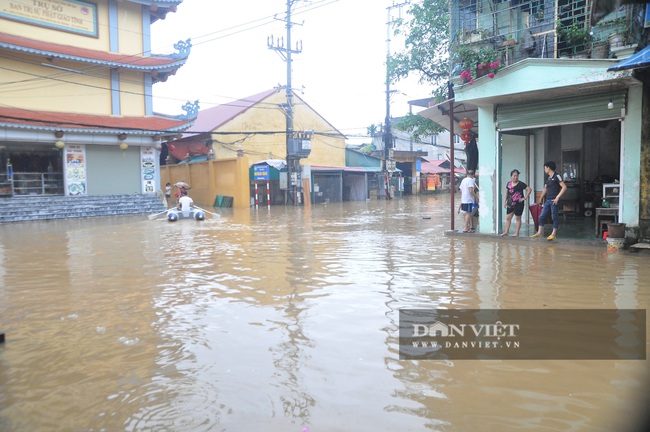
(75, 169)
(72, 16)
(148, 169)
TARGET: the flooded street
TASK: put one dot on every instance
(286, 320)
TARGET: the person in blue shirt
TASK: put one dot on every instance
(554, 188)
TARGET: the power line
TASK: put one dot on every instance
(98, 126)
(94, 71)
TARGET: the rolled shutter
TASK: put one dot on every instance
(579, 109)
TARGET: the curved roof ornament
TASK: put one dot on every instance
(183, 47)
(191, 110)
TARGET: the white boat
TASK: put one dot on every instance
(174, 214)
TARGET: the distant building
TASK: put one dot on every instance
(408, 152)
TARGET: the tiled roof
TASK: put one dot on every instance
(215, 117)
(432, 168)
(86, 123)
(54, 50)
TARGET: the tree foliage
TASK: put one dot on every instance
(426, 54)
(418, 126)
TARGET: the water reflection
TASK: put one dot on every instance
(286, 318)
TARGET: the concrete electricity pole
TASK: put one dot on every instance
(388, 135)
(293, 162)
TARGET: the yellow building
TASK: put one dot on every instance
(256, 126)
(253, 129)
(76, 114)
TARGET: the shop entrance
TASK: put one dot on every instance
(587, 156)
(30, 169)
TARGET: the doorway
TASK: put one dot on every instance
(587, 156)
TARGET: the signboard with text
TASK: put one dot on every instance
(261, 172)
(72, 16)
(75, 169)
(148, 169)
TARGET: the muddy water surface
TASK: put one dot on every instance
(286, 319)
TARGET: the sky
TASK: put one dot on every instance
(340, 72)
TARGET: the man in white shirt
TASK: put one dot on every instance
(468, 198)
(185, 203)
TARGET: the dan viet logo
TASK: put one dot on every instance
(457, 335)
(522, 334)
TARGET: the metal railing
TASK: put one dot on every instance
(23, 183)
(539, 28)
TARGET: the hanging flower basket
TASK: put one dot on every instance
(477, 63)
(482, 69)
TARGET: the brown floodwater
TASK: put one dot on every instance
(286, 320)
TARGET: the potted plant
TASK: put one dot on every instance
(476, 63)
(620, 32)
(576, 36)
(619, 39)
(476, 37)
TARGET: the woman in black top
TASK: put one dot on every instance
(517, 193)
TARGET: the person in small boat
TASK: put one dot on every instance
(185, 203)
(180, 187)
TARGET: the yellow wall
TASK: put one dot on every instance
(62, 37)
(131, 95)
(63, 92)
(88, 92)
(266, 116)
(226, 177)
(129, 16)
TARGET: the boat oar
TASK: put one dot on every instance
(209, 212)
(153, 216)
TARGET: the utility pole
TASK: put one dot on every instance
(293, 162)
(452, 144)
(388, 135)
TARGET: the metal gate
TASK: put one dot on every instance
(328, 187)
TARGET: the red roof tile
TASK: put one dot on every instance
(19, 43)
(51, 120)
(212, 118)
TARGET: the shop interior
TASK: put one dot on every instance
(587, 157)
(30, 169)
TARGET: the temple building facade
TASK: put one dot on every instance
(76, 111)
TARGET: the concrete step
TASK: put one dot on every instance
(31, 208)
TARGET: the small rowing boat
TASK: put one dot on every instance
(174, 214)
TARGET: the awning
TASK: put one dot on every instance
(638, 60)
(347, 169)
(439, 114)
(193, 159)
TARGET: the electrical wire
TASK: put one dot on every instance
(95, 69)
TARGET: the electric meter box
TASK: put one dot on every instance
(299, 147)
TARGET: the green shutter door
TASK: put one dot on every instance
(579, 109)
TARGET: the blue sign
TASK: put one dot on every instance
(418, 165)
(261, 172)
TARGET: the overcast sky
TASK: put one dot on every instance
(341, 66)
